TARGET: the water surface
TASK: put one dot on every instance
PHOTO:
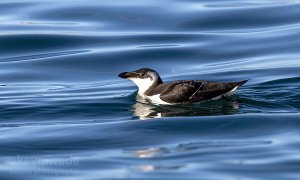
(65, 114)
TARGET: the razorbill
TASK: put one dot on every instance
(152, 88)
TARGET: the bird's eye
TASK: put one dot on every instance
(143, 74)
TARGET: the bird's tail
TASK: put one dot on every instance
(241, 83)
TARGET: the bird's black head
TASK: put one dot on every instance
(140, 74)
(144, 78)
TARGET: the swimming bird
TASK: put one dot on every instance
(153, 89)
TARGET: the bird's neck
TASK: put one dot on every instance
(143, 88)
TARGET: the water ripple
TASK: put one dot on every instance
(40, 56)
(62, 102)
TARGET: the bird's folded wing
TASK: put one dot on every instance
(194, 91)
(181, 91)
(211, 90)
(206, 95)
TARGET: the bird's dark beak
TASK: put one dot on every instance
(126, 75)
(123, 75)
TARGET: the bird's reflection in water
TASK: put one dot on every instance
(200, 146)
(151, 153)
(144, 110)
(207, 148)
(149, 168)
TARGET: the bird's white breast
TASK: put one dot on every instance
(156, 99)
(143, 84)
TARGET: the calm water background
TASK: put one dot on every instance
(65, 114)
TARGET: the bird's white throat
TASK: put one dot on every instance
(143, 84)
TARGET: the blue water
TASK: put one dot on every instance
(65, 114)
